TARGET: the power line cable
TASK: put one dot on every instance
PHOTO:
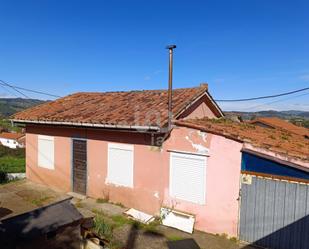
(263, 97)
(4, 83)
(10, 92)
(28, 90)
(273, 102)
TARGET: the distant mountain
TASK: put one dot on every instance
(9, 106)
(292, 114)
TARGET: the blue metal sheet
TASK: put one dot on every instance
(254, 163)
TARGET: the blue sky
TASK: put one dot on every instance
(241, 48)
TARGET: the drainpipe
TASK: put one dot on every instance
(170, 86)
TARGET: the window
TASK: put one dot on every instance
(120, 164)
(46, 152)
(188, 177)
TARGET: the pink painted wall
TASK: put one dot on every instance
(200, 112)
(220, 213)
(59, 177)
(151, 172)
(200, 109)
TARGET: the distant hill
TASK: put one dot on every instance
(9, 106)
(292, 114)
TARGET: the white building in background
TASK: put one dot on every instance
(12, 140)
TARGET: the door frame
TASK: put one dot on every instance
(72, 163)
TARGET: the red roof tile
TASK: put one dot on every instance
(134, 108)
(277, 140)
(280, 123)
(9, 135)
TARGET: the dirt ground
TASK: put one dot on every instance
(23, 196)
(130, 236)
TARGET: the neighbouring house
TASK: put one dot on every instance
(116, 146)
(274, 180)
(12, 140)
(273, 122)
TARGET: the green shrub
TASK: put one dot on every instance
(3, 177)
(102, 227)
(9, 164)
(6, 151)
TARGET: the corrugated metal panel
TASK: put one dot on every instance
(188, 177)
(274, 214)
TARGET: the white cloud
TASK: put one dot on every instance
(304, 77)
(5, 95)
(256, 106)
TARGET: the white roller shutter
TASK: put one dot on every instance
(46, 152)
(120, 164)
(188, 177)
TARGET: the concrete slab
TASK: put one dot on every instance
(23, 196)
(107, 208)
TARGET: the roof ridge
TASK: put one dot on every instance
(141, 90)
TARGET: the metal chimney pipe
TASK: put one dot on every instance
(170, 86)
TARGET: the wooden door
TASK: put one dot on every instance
(80, 166)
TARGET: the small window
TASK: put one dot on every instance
(188, 177)
(120, 164)
(46, 152)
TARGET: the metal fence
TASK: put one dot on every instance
(274, 213)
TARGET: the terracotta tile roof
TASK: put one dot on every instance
(9, 135)
(280, 123)
(144, 108)
(276, 140)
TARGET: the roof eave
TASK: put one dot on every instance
(129, 127)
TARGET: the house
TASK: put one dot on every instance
(116, 146)
(273, 196)
(273, 122)
(12, 140)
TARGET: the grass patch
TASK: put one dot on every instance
(102, 200)
(119, 204)
(10, 164)
(40, 201)
(233, 239)
(102, 227)
(174, 237)
(152, 228)
(79, 204)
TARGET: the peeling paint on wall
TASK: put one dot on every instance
(198, 146)
(156, 194)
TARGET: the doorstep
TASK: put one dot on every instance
(77, 195)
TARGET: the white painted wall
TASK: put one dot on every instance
(11, 143)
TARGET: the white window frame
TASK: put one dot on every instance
(171, 174)
(41, 158)
(126, 147)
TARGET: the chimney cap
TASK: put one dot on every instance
(172, 46)
(204, 84)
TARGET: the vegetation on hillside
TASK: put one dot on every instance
(300, 118)
(279, 114)
(300, 122)
(12, 160)
(9, 106)
(6, 125)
